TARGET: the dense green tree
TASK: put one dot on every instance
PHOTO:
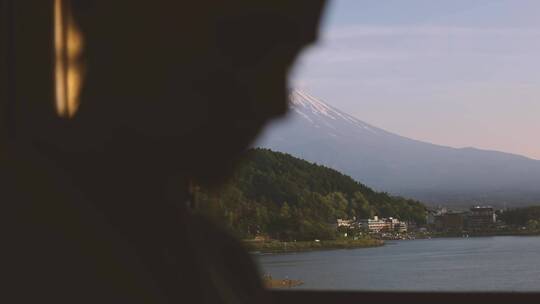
(525, 217)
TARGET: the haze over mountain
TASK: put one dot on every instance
(435, 174)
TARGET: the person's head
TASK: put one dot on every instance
(182, 86)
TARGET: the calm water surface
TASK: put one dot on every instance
(453, 264)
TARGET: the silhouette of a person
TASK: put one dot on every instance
(94, 207)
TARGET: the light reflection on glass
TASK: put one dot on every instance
(69, 43)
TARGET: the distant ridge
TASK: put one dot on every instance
(318, 132)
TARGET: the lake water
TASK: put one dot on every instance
(449, 264)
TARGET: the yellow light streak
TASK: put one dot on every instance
(69, 44)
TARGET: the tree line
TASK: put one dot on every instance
(523, 217)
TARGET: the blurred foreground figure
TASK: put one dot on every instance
(95, 192)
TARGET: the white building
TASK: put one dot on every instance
(384, 224)
(375, 224)
(344, 223)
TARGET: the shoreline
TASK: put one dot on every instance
(276, 247)
(261, 247)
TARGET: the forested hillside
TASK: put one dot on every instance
(288, 198)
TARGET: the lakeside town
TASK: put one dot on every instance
(440, 222)
(372, 232)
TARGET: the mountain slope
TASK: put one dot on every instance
(289, 198)
(437, 174)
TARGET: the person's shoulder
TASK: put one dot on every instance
(217, 239)
(226, 255)
(56, 246)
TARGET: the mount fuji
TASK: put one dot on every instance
(435, 174)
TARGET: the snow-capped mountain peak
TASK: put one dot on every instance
(318, 112)
(302, 99)
(318, 132)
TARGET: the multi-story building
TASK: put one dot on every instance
(392, 223)
(401, 227)
(345, 223)
(430, 217)
(451, 221)
(377, 224)
(482, 217)
(433, 214)
(374, 225)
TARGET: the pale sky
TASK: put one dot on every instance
(461, 73)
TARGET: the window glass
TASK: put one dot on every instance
(408, 161)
